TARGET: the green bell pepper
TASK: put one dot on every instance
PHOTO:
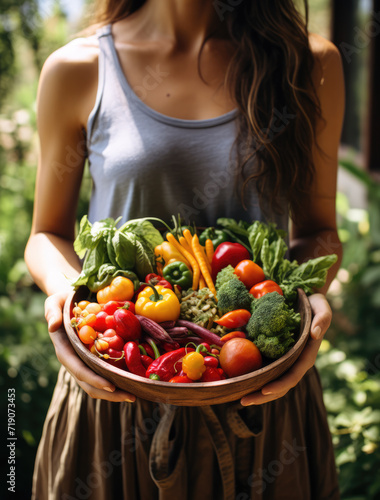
(177, 273)
(217, 236)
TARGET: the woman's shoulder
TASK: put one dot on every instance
(327, 57)
(79, 55)
(69, 78)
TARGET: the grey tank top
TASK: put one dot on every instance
(144, 163)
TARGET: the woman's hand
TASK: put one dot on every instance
(278, 388)
(96, 387)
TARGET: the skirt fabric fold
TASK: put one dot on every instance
(98, 450)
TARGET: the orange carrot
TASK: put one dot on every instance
(189, 257)
(189, 238)
(209, 250)
(185, 245)
(197, 249)
(202, 283)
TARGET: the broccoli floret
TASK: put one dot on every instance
(271, 316)
(274, 347)
(225, 275)
(233, 295)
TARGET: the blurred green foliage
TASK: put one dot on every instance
(349, 359)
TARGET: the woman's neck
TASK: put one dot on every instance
(184, 23)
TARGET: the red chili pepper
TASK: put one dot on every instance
(233, 335)
(148, 349)
(221, 373)
(211, 361)
(264, 287)
(146, 361)
(169, 347)
(181, 379)
(127, 325)
(133, 359)
(211, 374)
(234, 319)
(167, 365)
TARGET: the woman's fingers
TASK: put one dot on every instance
(95, 385)
(53, 310)
(322, 315)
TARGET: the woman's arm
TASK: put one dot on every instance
(65, 98)
(317, 235)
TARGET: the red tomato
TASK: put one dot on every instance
(239, 356)
(249, 273)
(264, 287)
(100, 323)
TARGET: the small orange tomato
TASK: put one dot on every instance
(240, 356)
(87, 334)
(249, 273)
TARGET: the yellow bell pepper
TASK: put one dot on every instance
(167, 253)
(160, 305)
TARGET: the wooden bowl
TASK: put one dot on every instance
(198, 393)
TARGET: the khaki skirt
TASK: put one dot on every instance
(98, 450)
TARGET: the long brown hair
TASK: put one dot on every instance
(269, 77)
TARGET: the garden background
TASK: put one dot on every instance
(349, 359)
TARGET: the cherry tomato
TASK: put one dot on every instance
(87, 334)
(211, 361)
(93, 307)
(83, 304)
(249, 273)
(114, 340)
(264, 287)
(111, 306)
(110, 322)
(239, 356)
(89, 320)
(234, 319)
(100, 323)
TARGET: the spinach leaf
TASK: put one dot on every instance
(124, 245)
(143, 229)
(143, 263)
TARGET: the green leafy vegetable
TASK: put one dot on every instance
(111, 252)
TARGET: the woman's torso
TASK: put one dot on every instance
(144, 162)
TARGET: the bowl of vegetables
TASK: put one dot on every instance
(189, 319)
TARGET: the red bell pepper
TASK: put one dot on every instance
(165, 367)
(227, 254)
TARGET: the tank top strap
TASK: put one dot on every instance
(108, 77)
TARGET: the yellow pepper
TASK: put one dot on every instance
(167, 253)
(193, 365)
(160, 305)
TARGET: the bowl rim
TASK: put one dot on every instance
(73, 337)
